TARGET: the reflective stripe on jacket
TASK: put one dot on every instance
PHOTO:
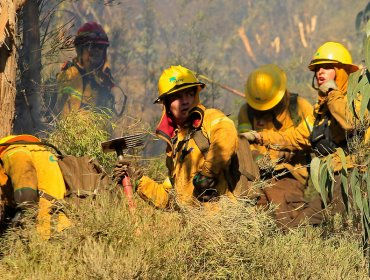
(77, 89)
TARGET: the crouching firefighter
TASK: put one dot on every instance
(195, 177)
(36, 182)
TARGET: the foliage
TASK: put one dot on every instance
(81, 133)
(234, 242)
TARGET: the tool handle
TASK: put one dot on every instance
(127, 189)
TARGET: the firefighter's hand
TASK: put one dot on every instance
(204, 187)
(124, 168)
(252, 136)
(285, 156)
(328, 87)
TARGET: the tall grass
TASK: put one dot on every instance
(233, 241)
(236, 242)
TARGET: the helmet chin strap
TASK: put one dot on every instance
(313, 82)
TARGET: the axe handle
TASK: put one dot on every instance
(127, 189)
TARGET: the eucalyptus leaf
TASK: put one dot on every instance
(365, 204)
(367, 52)
(352, 82)
(367, 28)
(345, 196)
(364, 101)
(343, 160)
(323, 184)
(314, 171)
(356, 191)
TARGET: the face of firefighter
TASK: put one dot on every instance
(180, 104)
(93, 56)
(324, 73)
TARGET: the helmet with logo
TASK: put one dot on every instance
(265, 87)
(174, 79)
(91, 32)
(332, 52)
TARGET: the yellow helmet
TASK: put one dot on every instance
(332, 52)
(265, 87)
(174, 79)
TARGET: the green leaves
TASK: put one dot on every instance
(319, 176)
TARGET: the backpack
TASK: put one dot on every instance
(242, 170)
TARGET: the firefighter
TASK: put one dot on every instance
(86, 81)
(194, 176)
(271, 107)
(36, 182)
(328, 129)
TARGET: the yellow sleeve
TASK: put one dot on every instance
(244, 124)
(153, 192)
(338, 107)
(223, 140)
(304, 107)
(294, 138)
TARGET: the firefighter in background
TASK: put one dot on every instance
(195, 175)
(36, 182)
(330, 127)
(86, 81)
(271, 107)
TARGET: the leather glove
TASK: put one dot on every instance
(285, 156)
(204, 187)
(252, 136)
(124, 168)
(328, 86)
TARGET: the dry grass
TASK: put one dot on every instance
(235, 242)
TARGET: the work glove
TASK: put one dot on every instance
(204, 187)
(124, 168)
(285, 156)
(328, 87)
(252, 136)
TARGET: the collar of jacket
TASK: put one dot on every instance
(104, 71)
(167, 126)
(15, 138)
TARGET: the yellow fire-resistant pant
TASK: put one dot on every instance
(35, 175)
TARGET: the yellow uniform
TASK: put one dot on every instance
(332, 108)
(279, 118)
(184, 158)
(35, 177)
(78, 89)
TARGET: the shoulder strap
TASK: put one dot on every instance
(250, 114)
(201, 141)
(41, 143)
(293, 109)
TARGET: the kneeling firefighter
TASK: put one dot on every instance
(195, 175)
(271, 107)
(36, 181)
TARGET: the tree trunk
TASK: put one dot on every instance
(28, 109)
(8, 63)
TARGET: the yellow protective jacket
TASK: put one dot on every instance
(332, 106)
(35, 176)
(78, 89)
(184, 163)
(280, 118)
